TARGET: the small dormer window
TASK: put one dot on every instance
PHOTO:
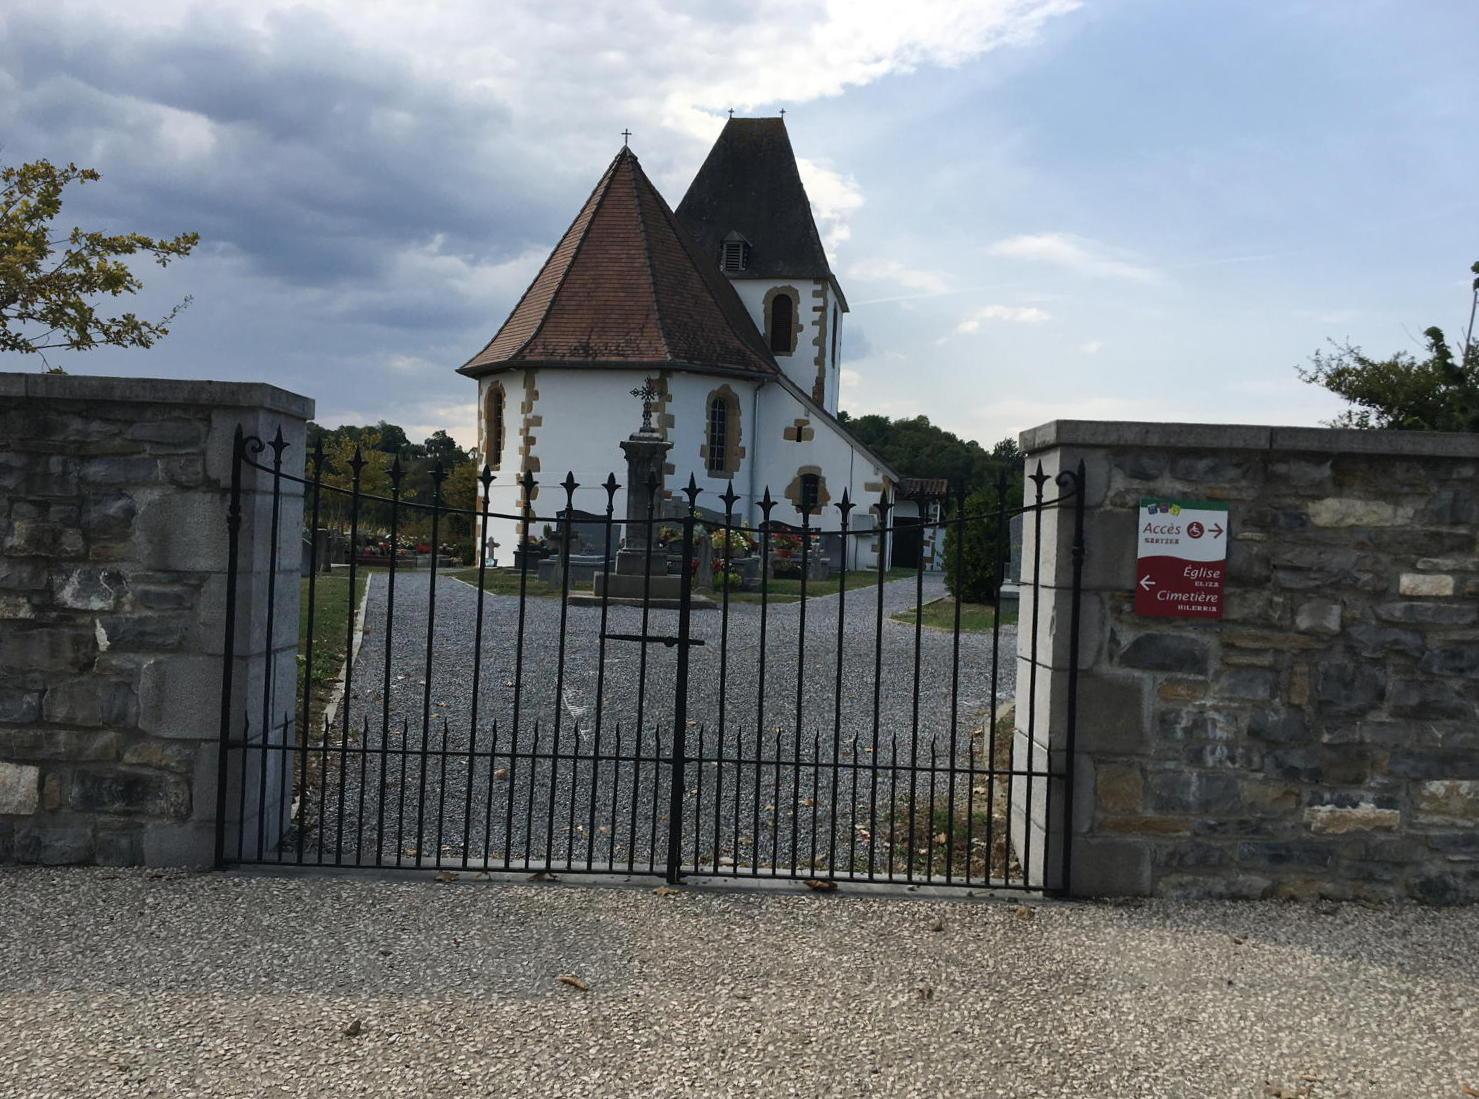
(734, 253)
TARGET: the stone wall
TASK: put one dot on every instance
(113, 543)
(1322, 738)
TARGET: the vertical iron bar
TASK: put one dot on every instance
(852, 836)
(846, 508)
(441, 787)
(1071, 717)
(729, 498)
(642, 690)
(800, 679)
(877, 682)
(1038, 478)
(395, 507)
(487, 815)
(228, 657)
(590, 847)
(929, 840)
(616, 762)
(307, 725)
(529, 802)
(950, 763)
(998, 574)
(400, 809)
(278, 444)
(698, 804)
(357, 465)
(526, 515)
(486, 479)
(816, 791)
(636, 790)
(508, 808)
(680, 698)
(554, 764)
(437, 474)
(775, 807)
(766, 503)
(914, 717)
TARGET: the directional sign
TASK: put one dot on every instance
(1181, 558)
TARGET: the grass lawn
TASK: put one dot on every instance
(503, 581)
(331, 612)
(939, 614)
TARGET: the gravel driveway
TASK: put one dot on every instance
(117, 983)
(769, 804)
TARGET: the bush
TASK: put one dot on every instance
(986, 545)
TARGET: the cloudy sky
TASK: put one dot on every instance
(1145, 209)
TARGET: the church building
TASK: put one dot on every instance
(727, 307)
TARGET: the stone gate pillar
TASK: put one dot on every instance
(113, 541)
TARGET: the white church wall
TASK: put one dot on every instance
(795, 440)
(573, 420)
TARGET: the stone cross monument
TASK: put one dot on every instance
(647, 453)
(630, 582)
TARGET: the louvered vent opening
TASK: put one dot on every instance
(735, 255)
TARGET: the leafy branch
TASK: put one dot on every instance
(49, 281)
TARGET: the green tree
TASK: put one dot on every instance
(973, 566)
(49, 280)
(1439, 392)
(338, 473)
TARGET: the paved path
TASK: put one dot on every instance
(616, 813)
(118, 984)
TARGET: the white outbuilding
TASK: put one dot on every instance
(728, 308)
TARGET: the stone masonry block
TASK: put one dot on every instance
(89, 588)
(20, 788)
(179, 697)
(1119, 788)
(1338, 820)
(1165, 652)
(129, 792)
(19, 707)
(1320, 616)
(91, 701)
(1110, 868)
(54, 844)
(1420, 584)
(1449, 800)
(1347, 688)
(1111, 715)
(1461, 660)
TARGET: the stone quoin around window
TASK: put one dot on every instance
(721, 451)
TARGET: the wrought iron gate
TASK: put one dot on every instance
(787, 721)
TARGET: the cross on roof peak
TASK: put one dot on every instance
(626, 135)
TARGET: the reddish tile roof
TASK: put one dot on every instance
(627, 286)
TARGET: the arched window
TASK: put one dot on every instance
(718, 456)
(782, 321)
(811, 491)
(493, 426)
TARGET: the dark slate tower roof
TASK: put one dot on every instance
(749, 184)
(628, 286)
